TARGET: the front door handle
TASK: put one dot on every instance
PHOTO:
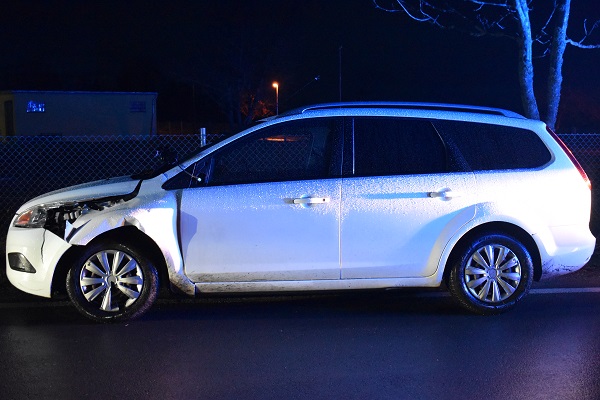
(312, 200)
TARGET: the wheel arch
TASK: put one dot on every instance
(506, 228)
(126, 234)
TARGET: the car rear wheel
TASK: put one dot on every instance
(492, 274)
(111, 281)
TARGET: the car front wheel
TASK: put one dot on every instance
(111, 281)
(492, 274)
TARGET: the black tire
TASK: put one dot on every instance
(107, 292)
(491, 274)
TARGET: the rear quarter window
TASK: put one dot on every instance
(495, 147)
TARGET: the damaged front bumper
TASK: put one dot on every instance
(40, 235)
(31, 257)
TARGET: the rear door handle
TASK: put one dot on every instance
(444, 194)
(312, 200)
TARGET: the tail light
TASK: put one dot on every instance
(571, 157)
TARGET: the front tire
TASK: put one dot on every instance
(112, 282)
(491, 275)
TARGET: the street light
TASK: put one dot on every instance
(276, 86)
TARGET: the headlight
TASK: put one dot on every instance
(53, 216)
(34, 217)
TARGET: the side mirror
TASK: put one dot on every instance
(198, 179)
(186, 180)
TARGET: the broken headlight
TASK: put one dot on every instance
(52, 216)
(55, 216)
(34, 217)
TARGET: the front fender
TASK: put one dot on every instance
(156, 218)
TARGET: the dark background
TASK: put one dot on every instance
(192, 52)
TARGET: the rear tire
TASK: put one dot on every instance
(491, 275)
(112, 282)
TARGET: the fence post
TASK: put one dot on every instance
(202, 137)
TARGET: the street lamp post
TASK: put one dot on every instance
(276, 86)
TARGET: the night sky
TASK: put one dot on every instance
(190, 51)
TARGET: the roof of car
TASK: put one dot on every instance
(407, 106)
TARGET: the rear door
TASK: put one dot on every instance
(404, 195)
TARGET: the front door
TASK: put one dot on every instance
(270, 210)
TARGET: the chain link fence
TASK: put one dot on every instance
(586, 148)
(31, 166)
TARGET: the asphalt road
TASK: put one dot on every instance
(383, 345)
(407, 344)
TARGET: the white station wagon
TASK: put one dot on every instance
(328, 197)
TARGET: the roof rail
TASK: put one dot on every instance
(411, 106)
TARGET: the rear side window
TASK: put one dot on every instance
(495, 147)
(395, 146)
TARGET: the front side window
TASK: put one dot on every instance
(395, 146)
(289, 151)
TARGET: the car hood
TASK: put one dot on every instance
(90, 190)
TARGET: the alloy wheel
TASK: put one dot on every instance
(492, 273)
(112, 280)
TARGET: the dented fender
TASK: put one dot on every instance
(154, 214)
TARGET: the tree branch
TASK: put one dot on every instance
(465, 17)
(543, 37)
(404, 8)
(587, 33)
(481, 4)
(583, 46)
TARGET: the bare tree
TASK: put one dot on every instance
(237, 83)
(512, 19)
